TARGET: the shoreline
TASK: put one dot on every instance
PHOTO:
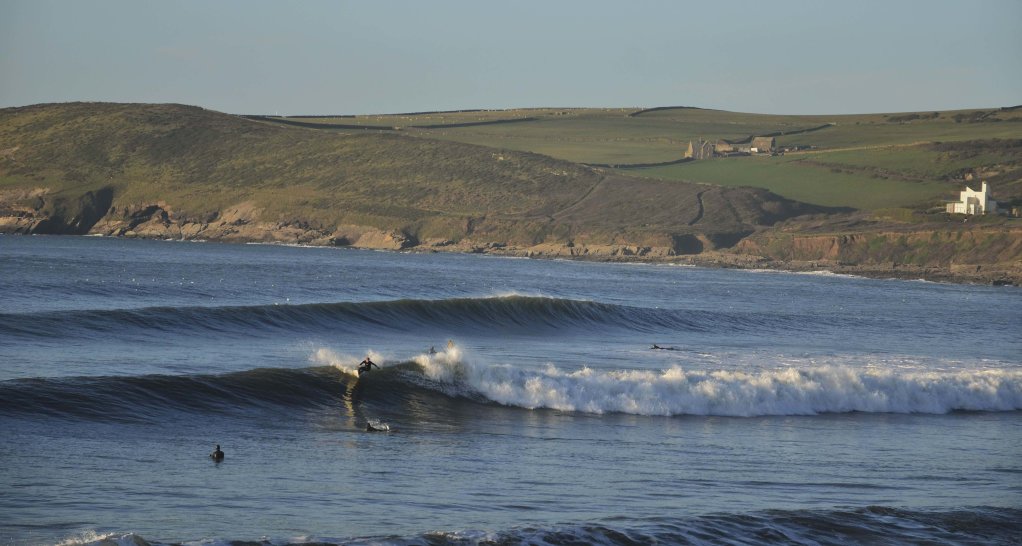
(971, 274)
(981, 275)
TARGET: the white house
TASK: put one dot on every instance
(974, 202)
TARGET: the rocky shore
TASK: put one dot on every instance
(996, 274)
(242, 224)
(1008, 274)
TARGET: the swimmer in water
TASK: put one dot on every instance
(217, 455)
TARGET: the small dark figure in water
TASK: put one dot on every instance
(217, 455)
(371, 428)
(432, 350)
(655, 346)
(366, 365)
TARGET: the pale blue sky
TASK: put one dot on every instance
(384, 57)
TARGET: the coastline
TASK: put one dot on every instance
(983, 274)
(970, 274)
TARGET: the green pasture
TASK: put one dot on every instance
(792, 178)
(412, 120)
(613, 139)
(876, 135)
(615, 136)
(612, 136)
(867, 162)
(914, 161)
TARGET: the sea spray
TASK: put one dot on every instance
(782, 391)
(343, 362)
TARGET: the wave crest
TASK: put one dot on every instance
(513, 313)
(785, 391)
(667, 392)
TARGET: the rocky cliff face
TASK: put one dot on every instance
(976, 254)
(93, 214)
(988, 254)
(929, 247)
(241, 223)
(36, 211)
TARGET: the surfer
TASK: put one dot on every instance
(374, 425)
(217, 455)
(366, 365)
(432, 350)
(655, 347)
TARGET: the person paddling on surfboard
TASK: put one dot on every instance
(217, 455)
(366, 365)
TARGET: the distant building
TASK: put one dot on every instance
(973, 202)
(699, 149)
(764, 145)
(726, 147)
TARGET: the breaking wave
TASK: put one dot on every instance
(782, 391)
(672, 391)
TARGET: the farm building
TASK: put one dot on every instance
(726, 147)
(973, 202)
(700, 149)
(764, 145)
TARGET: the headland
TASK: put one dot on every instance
(862, 195)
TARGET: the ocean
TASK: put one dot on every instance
(517, 401)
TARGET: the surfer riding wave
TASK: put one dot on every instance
(366, 365)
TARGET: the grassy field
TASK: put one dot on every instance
(618, 135)
(878, 135)
(614, 137)
(605, 136)
(864, 161)
(792, 178)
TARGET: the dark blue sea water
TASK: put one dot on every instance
(782, 408)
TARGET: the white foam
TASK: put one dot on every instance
(780, 391)
(345, 363)
(95, 538)
(445, 366)
(810, 273)
(508, 294)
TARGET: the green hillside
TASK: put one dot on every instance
(794, 178)
(862, 161)
(135, 165)
(502, 181)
